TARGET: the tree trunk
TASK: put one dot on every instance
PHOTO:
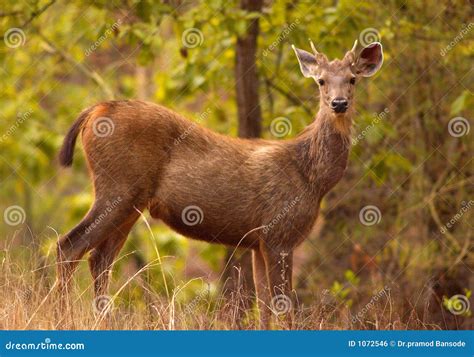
(246, 85)
(238, 275)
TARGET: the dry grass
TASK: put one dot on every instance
(28, 301)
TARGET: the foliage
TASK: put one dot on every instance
(407, 164)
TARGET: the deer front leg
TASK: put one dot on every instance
(279, 267)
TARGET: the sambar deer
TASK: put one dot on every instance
(259, 194)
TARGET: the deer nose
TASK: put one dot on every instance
(339, 105)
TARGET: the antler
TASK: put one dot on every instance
(351, 55)
(315, 51)
(354, 47)
(321, 57)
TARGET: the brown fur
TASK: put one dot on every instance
(259, 194)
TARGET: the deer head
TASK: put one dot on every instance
(337, 79)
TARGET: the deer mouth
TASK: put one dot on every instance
(340, 110)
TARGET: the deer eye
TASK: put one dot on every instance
(321, 82)
(352, 80)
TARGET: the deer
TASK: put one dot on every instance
(262, 195)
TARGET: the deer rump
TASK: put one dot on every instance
(203, 185)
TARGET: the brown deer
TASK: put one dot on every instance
(259, 194)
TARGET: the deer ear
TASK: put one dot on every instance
(369, 61)
(308, 62)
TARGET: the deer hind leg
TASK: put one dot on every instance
(101, 221)
(279, 267)
(70, 249)
(261, 288)
(103, 256)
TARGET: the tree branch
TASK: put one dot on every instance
(37, 13)
(291, 97)
(33, 15)
(11, 13)
(94, 76)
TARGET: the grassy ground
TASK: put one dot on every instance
(28, 301)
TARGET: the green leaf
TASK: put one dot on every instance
(461, 102)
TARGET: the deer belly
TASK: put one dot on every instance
(198, 222)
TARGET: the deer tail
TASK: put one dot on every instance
(66, 153)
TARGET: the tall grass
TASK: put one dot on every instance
(28, 300)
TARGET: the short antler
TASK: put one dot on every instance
(315, 51)
(320, 57)
(354, 47)
(350, 56)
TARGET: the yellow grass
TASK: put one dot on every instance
(28, 300)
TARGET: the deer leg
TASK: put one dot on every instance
(279, 267)
(102, 257)
(70, 249)
(101, 220)
(261, 288)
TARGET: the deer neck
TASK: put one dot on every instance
(322, 150)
